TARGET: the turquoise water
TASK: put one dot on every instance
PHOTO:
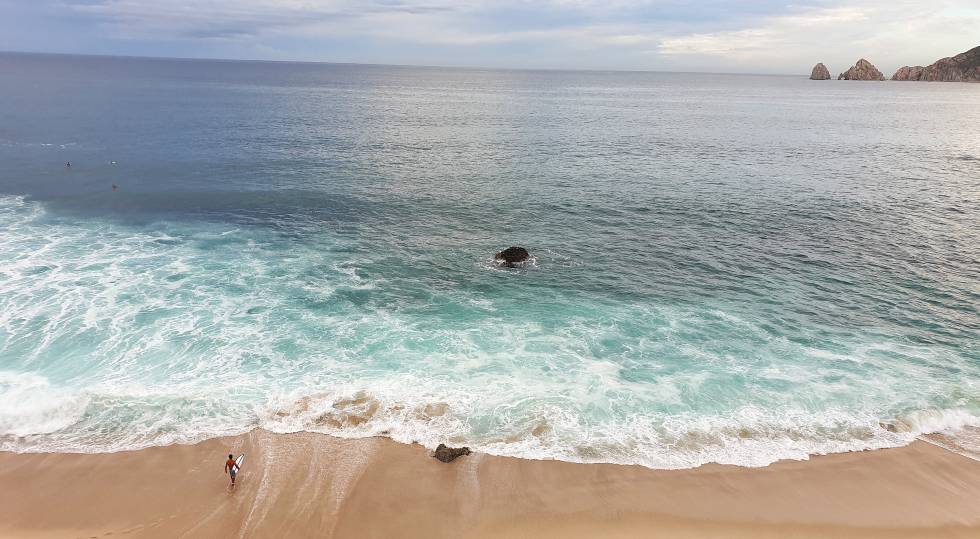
(729, 269)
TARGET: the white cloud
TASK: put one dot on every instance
(893, 33)
(714, 35)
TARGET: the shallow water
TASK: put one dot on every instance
(727, 268)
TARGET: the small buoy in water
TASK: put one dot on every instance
(114, 187)
(112, 162)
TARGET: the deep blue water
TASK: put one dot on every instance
(726, 268)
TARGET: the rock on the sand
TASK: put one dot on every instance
(820, 72)
(449, 454)
(862, 70)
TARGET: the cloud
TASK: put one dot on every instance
(774, 34)
(893, 32)
(709, 35)
(207, 18)
(200, 18)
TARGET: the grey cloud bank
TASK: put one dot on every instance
(763, 37)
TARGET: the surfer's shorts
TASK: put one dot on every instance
(233, 473)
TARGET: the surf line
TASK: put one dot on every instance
(941, 446)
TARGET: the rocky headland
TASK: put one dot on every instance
(963, 67)
(862, 70)
(908, 73)
(820, 72)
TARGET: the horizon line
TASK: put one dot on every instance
(373, 64)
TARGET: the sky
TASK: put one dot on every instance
(762, 36)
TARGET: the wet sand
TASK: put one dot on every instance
(310, 485)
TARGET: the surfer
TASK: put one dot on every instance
(231, 467)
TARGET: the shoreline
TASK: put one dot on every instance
(308, 484)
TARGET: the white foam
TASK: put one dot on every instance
(29, 405)
(935, 420)
(153, 339)
(963, 441)
(549, 428)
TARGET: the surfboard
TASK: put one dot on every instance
(239, 461)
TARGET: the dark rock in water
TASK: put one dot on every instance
(512, 255)
(963, 67)
(449, 454)
(820, 72)
(862, 70)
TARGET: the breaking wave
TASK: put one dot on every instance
(117, 337)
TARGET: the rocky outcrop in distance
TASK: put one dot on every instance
(862, 70)
(908, 73)
(820, 72)
(964, 67)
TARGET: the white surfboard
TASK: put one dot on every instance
(239, 461)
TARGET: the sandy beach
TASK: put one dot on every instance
(311, 485)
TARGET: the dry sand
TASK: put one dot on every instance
(310, 485)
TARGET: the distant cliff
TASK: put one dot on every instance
(862, 70)
(820, 72)
(963, 67)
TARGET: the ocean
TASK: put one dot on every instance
(726, 268)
